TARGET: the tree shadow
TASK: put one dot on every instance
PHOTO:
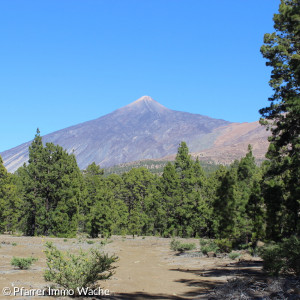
(208, 280)
(242, 268)
(142, 296)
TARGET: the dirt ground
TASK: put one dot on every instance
(146, 269)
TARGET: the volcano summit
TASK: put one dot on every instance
(143, 129)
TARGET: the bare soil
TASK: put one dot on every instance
(146, 269)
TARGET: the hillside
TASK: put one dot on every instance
(145, 129)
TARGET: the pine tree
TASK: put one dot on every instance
(213, 184)
(31, 182)
(245, 175)
(170, 193)
(100, 216)
(226, 204)
(52, 187)
(10, 202)
(185, 209)
(201, 222)
(93, 183)
(239, 209)
(282, 179)
(119, 210)
(184, 193)
(155, 210)
(256, 210)
(137, 183)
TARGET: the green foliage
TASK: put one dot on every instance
(272, 261)
(105, 242)
(138, 184)
(59, 200)
(176, 245)
(234, 255)
(184, 193)
(10, 201)
(51, 188)
(154, 166)
(23, 263)
(208, 246)
(224, 245)
(239, 207)
(281, 186)
(119, 209)
(282, 257)
(71, 271)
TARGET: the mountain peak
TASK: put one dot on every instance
(145, 98)
(146, 103)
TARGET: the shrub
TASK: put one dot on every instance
(234, 255)
(83, 270)
(208, 246)
(224, 245)
(105, 241)
(204, 242)
(176, 245)
(283, 257)
(272, 262)
(23, 263)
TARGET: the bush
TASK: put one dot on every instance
(208, 246)
(272, 262)
(23, 263)
(105, 241)
(73, 272)
(234, 255)
(283, 257)
(176, 245)
(224, 245)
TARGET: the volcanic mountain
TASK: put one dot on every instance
(142, 130)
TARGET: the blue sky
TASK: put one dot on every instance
(63, 62)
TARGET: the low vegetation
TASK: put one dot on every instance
(176, 245)
(23, 263)
(234, 255)
(154, 166)
(282, 258)
(250, 288)
(208, 246)
(76, 271)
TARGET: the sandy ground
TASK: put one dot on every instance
(146, 269)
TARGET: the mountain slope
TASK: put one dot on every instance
(143, 129)
(232, 143)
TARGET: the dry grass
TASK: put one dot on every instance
(249, 288)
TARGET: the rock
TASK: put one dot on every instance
(211, 254)
(260, 244)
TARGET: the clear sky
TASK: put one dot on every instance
(63, 62)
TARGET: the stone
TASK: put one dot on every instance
(211, 254)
